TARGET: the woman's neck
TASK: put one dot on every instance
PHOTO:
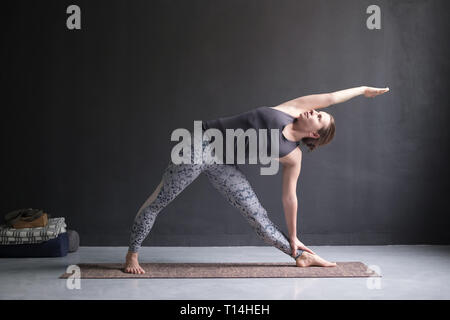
(293, 133)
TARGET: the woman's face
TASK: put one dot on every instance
(313, 120)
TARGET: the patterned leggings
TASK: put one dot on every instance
(228, 180)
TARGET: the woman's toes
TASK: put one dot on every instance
(133, 268)
(332, 264)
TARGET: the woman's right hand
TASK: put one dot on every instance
(371, 92)
(297, 244)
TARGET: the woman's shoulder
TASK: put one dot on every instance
(287, 109)
(292, 158)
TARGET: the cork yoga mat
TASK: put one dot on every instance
(223, 270)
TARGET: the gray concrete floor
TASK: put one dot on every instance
(408, 272)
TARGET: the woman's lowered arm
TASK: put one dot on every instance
(291, 173)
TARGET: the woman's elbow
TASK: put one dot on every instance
(289, 199)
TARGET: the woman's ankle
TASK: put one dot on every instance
(302, 256)
(132, 255)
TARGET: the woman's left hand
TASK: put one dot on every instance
(370, 92)
(297, 244)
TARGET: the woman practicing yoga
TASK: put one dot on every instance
(297, 121)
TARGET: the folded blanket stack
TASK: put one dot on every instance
(31, 233)
(54, 227)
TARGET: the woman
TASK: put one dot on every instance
(298, 121)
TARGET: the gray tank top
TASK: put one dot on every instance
(258, 118)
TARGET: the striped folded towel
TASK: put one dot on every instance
(54, 227)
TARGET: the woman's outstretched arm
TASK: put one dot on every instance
(323, 100)
(347, 94)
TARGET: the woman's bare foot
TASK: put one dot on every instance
(307, 259)
(132, 264)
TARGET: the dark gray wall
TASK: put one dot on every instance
(87, 115)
